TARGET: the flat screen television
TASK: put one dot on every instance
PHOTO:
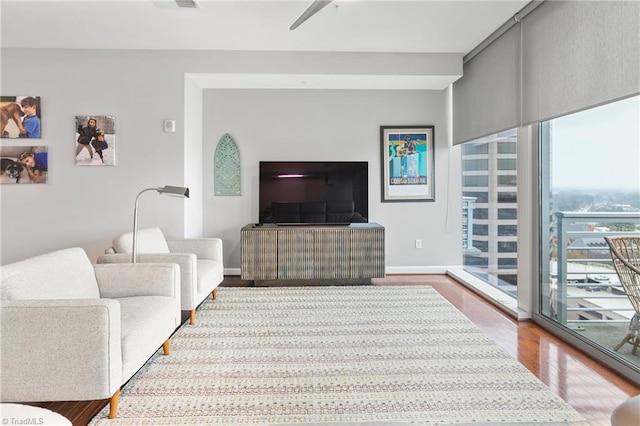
(308, 181)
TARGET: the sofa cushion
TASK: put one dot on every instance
(146, 322)
(210, 272)
(149, 240)
(62, 274)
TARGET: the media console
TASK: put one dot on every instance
(312, 252)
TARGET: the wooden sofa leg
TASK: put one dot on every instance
(166, 348)
(192, 317)
(214, 294)
(113, 404)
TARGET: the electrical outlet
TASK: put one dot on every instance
(418, 244)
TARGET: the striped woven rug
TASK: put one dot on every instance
(277, 355)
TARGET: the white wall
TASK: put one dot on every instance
(193, 157)
(88, 206)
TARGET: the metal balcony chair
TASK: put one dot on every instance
(625, 253)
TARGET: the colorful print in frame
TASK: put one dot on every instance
(407, 163)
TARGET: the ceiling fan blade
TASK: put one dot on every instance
(311, 10)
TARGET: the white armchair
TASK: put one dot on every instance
(75, 331)
(200, 261)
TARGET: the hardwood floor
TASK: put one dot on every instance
(591, 388)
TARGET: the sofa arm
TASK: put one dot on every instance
(203, 248)
(60, 350)
(138, 279)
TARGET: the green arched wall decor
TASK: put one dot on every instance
(227, 167)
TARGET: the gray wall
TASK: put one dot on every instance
(88, 206)
(327, 125)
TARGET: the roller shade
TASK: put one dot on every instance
(574, 54)
(487, 97)
(578, 55)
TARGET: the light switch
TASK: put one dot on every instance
(170, 126)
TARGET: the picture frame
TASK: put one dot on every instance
(21, 117)
(95, 140)
(408, 169)
(23, 164)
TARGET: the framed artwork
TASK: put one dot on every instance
(407, 163)
(95, 140)
(23, 164)
(227, 176)
(20, 117)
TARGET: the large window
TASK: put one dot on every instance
(507, 180)
(508, 214)
(479, 197)
(480, 213)
(489, 179)
(590, 188)
(482, 180)
(506, 164)
(507, 247)
(476, 164)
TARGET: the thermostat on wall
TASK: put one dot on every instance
(170, 126)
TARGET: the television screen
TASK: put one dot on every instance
(309, 181)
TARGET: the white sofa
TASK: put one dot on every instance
(200, 261)
(75, 331)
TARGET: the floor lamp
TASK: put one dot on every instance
(173, 191)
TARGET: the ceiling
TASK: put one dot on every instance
(391, 26)
(418, 26)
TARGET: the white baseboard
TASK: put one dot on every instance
(389, 270)
(232, 271)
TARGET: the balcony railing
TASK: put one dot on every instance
(583, 282)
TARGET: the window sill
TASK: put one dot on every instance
(500, 299)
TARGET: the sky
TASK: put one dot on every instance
(598, 148)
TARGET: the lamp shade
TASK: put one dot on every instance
(174, 191)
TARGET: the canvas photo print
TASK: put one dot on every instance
(22, 164)
(20, 117)
(95, 140)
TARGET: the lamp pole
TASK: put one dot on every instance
(173, 191)
(135, 223)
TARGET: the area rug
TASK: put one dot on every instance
(279, 355)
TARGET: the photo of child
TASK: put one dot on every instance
(20, 117)
(95, 140)
(22, 164)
